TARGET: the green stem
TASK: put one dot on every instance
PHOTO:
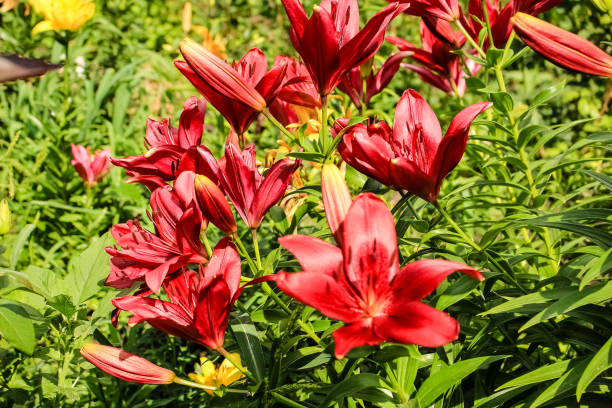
(240, 368)
(485, 12)
(457, 228)
(245, 253)
(256, 247)
(279, 125)
(188, 383)
(287, 401)
(323, 136)
(206, 243)
(470, 40)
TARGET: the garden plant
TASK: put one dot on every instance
(300, 203)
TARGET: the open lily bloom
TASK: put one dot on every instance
(413, 155)
(362, 284)
(91, 167)
(199, 306)
(172, 150)
(239, 92)
(251, 193)
(330, 42)
(151, 257)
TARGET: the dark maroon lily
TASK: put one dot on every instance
(376, 80)
(330, 42)
(448, 10)
(436, 63)
(200, 304)
(413, 156)
(171, 150)
(251, 193)
(239, 104)
(151, 257)
(362, 284)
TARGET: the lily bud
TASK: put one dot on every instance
(5, 217)
(127, 366)
(561, 47)
(336, 198)
(221, 77)
(213, 204)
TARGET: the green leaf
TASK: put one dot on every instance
(16, 326)
(601, 266)
(518, 303)
(601, 361)
(456, 291)
(544, 373)
(351, 386)
(590, 295)
(602, 178)
(20, 242)
(563, 386)
(88, 271)
(250, 346)
(448, 376)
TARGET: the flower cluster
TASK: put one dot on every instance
(358, 279)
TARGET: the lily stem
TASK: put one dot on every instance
(471, 40)
(188, 383)
(245, 253)
(232, 360)
(279, 125)
(256, 247)
(457, 228)
(323, 136)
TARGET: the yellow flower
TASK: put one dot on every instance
(5, 217)
(213, 44)
(226, 374)
(62, 14)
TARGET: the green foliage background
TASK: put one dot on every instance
(536, 333)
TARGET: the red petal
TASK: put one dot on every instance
(321, 291)
(418, 279)
(336, 198)
(314, 254)
(191, 124)
(417, 323)
(354, 335)
(224, 262)
(369, 246)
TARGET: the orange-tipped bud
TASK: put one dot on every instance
(221, 77)
(127, 366)
(214, 205)
(561, 47)
(336, 198)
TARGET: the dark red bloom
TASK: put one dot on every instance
(91, 167)
(151, 257)
(330, 42)
(171, 150)
(448, 10)
(376, 81)
(298, 99)
(251, 193)
(413, 156)
(436, 63)
(199, 306)
(258, 86)
(362, 284)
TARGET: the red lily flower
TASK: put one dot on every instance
(171, 150)
(362, 284)
(126, 366)
(91, 167)
(336, 198)
(534, 7)
(151, 257)
(376, 81)
(448, 10)
(239, 92)
(199, 306)
(561, 47)
(437, 64)
(413, 156)
(298, 99)
(330, 42)
(251, 193)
